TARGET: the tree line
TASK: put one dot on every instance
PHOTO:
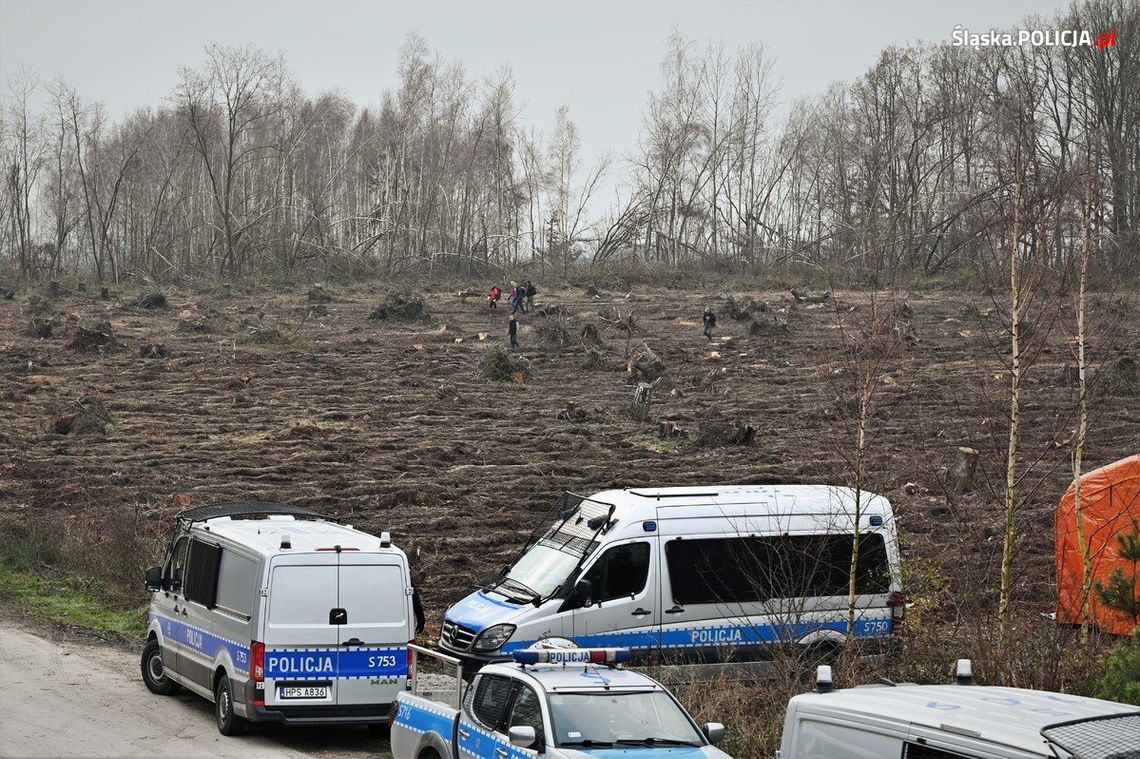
(917, 167)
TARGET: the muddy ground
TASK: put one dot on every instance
(390, 424)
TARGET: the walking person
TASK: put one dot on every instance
(494, 295)
(513, 331)
(515, 298)
(710, 322)
(531, 291)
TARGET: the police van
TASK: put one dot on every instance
(276, 613)
(889, 720)
(688, 574)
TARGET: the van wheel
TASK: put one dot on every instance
(228, 722)
(153, 671)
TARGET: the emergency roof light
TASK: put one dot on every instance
(964, 672)
(609, 656)
(823, 681)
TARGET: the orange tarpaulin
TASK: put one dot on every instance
(1110, 502)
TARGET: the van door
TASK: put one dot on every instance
(169, 606)
(623, 609)
(375, 594)
(301, 633)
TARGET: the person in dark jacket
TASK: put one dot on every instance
(513, 331)
(418, 610)
(516, 297)
(710, 322)
(531, 291)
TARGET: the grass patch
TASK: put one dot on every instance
(63, 601)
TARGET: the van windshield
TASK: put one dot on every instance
(542, 569)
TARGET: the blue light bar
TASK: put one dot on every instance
(571, 655)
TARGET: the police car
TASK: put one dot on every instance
(961, 721)
(553, 700)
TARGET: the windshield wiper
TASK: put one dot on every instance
(520, 586)
(654, 742)
(586, 743)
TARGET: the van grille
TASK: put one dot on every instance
(456, 637)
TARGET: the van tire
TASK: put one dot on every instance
(153, 672)
(228, 721)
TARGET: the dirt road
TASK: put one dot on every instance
(75, 700)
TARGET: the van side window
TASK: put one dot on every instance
(490, 698)
(237, 581)
(176, 570)
(741, 570)
(619, 572)
(721, 569)
(202, 573)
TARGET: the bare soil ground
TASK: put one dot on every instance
(391, 425)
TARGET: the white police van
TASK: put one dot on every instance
(962, 721)
(689, 574)
(276, 613)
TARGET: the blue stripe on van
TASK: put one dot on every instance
(722, 635)
(203, 641)
(323, 663)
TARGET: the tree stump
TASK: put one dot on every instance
(105, 293)
(54, 289)
(642, 397)
(963, 470)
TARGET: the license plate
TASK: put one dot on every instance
(314, 691)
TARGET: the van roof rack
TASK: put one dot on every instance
(234, 509)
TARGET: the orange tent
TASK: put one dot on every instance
(1110, 502)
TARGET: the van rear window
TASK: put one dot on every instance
(302, 595)
(373, 594)
(741, 570)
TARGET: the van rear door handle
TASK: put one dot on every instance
(640, 612)
(675, 610)
(464, 734)
(353, 642)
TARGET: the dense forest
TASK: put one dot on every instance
(929, 163)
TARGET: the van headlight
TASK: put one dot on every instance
(494, 637)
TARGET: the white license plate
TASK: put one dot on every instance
(315, 691)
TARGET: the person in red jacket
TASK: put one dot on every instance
(494, 295)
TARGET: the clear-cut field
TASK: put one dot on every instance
(391, 425)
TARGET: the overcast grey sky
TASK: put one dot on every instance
(599, 58)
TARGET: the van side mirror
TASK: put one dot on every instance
(522, 736)
(582, 593)
(154, 579)
(714, 731)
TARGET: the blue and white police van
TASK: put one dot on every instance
(692, 574)
(556, 701)
(276, 613)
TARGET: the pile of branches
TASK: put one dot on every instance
(399, 306)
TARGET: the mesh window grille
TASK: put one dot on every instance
(1114, 736)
